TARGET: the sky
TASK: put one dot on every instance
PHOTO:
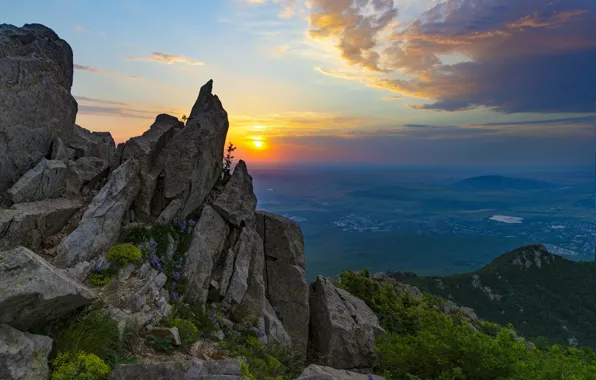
(455, 82)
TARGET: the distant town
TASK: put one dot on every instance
(569, 238)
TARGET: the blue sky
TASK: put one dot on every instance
(414, 81)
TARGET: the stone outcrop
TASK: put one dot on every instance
(137, 296)
(92, 144)
(30, 224)
(45, 180)
(343, 328)
(237, 202)
(317, 372)
(60, 151)
(187, 370)
(148, 149)
(35, 101)
(194, 156)
(99, 227)
(32, 292)
(209, 237)
(23, 356)
(85, 172)
(287, 287)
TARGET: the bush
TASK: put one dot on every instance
(79, 365)
(123, 254)
(262, 361)
(423, 343)
(92, 331)
(188, 332)
(100, 279)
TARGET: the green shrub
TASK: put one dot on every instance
(162, 344)
(92, 331)
(423, 343)
(188, 332)
(79, 365)
(123, 254)
(263, 361)
(100, 279)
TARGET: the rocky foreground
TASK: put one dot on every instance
(143, 228)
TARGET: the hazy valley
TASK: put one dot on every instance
(429, 221)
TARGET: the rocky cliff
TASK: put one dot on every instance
(147, 229)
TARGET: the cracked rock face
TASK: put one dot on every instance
(45, 180)
(32, 292)
(35, 100)
(99, 227)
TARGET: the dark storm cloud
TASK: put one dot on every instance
(511, 56)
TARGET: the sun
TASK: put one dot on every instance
(258, 144)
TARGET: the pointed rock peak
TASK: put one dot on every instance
(206, 101)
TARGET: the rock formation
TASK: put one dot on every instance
(70, 195)
(343, 328)
(35, 99)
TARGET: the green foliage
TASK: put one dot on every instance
(79, 365)
(428, 344)
(162, 344)
(187, 330)
(555, 300)
(100, 278)
(205, 322)
(123, 254)
(155, 246)
(262, 361)
(92, 331)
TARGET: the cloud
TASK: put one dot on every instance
(116, 111)
(511, 57)
(166, 59)
(89, 69)
(134, 77)
(391, 97)
(101, 101)
(355, 25)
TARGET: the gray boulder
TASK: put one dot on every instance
(238, 283)
(45, 180)
(194, 156)
(287, 287)
(86, 171)
(99, 227)
(288, 291)
(60, 151)
(23, 356)
(237, 202)
(317, 372)
(35, 100)
(343, 328)
(34, 292)
(92, 144)
(148, 150)
(251, 308)
(30, 224)
(209, 237)
(283, 238)
(182, 370)
(275, 332)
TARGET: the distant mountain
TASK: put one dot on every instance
(501, 183)
(541, 294)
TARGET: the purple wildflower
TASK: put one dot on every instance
(192, 222)
(370, 377)
(176, 276)
(261, 333)
(213, 317)
(175, 296)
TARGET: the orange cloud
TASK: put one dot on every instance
(555, 20)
